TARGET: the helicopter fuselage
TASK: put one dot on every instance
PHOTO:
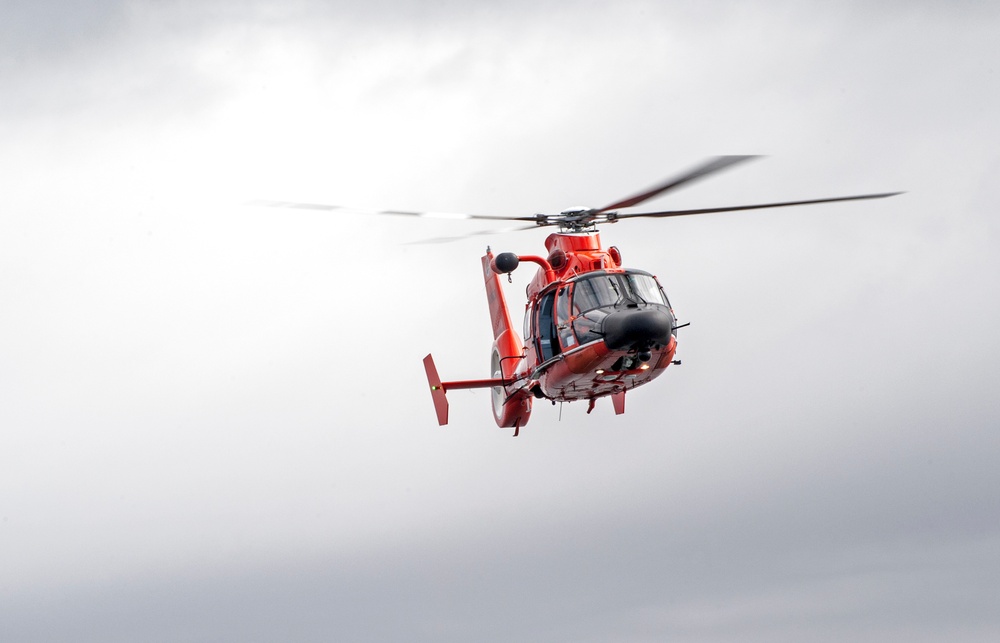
(591, 327)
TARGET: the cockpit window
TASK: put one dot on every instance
(646, 288)
(607, 289)
(595, 292)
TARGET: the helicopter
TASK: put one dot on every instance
(592, 327)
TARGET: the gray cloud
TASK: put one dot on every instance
(213, 421)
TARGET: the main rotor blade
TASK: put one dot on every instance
(710, 166)
(466, 236)
(761, 206)
(406, 213)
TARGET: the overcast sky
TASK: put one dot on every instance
(214, 423)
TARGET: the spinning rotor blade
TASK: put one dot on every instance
(711, 166)
(761, 206)
(406, 213)
(471, 234)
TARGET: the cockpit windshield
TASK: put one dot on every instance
(595, 295)
(645, 288)
(607, 289)
(596, 292)
(571, 314)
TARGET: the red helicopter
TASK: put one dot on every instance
(592, 328)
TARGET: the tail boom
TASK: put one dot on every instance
(511, 401)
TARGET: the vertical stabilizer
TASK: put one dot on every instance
(437, 391)
(511, 402)
(499, 314)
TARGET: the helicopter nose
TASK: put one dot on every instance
(634, 327)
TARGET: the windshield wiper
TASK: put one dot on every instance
(614, 287)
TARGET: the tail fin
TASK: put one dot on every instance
(499, 314)
(511, 404)
(437, 390)
(511, 407)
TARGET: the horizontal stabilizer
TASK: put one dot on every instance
(439, 388)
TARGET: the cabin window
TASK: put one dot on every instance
(545, 335)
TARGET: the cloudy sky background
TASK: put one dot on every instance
(213, 418)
